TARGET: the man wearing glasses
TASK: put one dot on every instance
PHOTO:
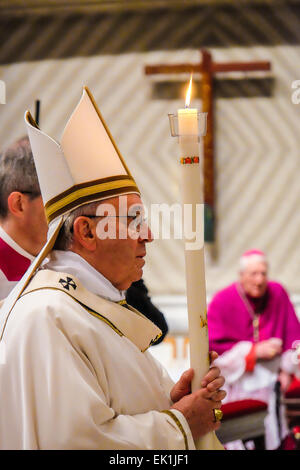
(76, 372)
(23, 226)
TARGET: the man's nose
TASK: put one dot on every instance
(145, 233)
(150, 236)
(260, 279)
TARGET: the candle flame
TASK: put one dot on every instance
(188, 93)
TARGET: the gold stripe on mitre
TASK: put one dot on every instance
(88, 192)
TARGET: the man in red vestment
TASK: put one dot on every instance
(23, 226)
(254, 328)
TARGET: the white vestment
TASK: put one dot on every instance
(75, 373)
(258, 384)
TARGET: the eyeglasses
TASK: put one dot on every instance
(137, 221)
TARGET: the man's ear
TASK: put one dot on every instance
(16, 203)
(84, 233)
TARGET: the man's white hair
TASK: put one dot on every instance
(247, 259)
(65, 236)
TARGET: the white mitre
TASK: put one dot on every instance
(85, 167)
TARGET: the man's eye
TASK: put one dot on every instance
(136, 220)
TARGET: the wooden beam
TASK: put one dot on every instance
(263, 66)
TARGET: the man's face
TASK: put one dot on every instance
(120, 258)
(254, 279)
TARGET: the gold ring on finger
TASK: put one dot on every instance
(218, 414)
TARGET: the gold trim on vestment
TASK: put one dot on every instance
(124, 304)
(169, 413)
(152, 342)
(90, 310)
(77, 187)
(127, 322)
(97, 314)
(87, 192)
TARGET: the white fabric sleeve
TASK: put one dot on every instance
(289, 361)
(175, 415)
(233, 362)
(184, 427)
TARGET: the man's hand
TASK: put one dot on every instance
(212, 380)
(197, 407)
(268, 349)
(198, 411)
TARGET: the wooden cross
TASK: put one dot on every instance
(208, 69)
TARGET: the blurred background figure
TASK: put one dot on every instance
(253, 326)
(23, 226)
(137, 296)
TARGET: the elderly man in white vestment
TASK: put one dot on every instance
(75, 372)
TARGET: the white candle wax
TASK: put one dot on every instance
(192, 194)
(188, 132)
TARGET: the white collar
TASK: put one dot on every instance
(72, 263)
(5, 237)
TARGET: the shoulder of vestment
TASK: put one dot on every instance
(55, 287)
